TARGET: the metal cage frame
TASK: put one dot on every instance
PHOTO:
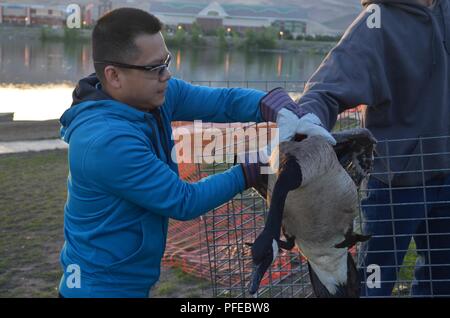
(228, 228)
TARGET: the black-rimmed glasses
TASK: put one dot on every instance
(160, 68)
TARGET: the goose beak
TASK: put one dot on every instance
(261, 264)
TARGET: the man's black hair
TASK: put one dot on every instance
(114, 35)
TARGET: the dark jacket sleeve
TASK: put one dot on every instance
(353, 73)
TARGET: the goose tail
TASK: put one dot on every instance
(350, 289)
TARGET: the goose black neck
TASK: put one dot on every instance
(289, 178)
(275, 215)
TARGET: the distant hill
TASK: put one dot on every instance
(335, 14)
(340, 23)
(317, 10)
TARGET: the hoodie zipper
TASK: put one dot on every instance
(162, 132)
(154, 137)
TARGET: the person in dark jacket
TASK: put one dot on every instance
(123, 185)
(399, 67)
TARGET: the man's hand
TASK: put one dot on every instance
(255, 166)
(277, 106)
(289, 125)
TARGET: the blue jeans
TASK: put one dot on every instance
(419, 215)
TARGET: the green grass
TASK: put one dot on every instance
(32, 197)
(33, 194)
(165, 289)
(346, 123)
(406, 273)
(176, 283)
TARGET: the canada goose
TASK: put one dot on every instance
(314, 199)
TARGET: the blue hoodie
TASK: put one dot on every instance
(402, 72)
(123, 187)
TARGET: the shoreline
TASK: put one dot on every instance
(13, 131)
(43, 34)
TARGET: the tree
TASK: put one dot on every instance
(221, 37)
(251, 41)
(180, 37)
(196, 34)
(267, 39)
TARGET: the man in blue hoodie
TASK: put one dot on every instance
(123, 186)
(399, 67)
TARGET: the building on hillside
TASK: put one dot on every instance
(34, 14)
(22, 14)
(232, 17)
(237, 18)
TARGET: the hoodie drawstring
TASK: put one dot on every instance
(433, 38)
(446, 26)
(446, 34)
(434, 48)
(429, 16)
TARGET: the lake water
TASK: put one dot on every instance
(37, 78)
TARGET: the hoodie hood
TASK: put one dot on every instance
(91, 102)
(416, 7)
(402, 75)
(405, 2)
(89, 89)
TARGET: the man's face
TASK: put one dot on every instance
(142, 89)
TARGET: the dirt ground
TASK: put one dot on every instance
(29, 130)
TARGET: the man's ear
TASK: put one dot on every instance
(112, 77)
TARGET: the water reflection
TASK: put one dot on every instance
(26, 56)
(41, 102)
(49, 71)
(178, 65)
(227, 63)
(279, 65)
(36, 62)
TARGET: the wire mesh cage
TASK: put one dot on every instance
(406, 208)
(230, 227)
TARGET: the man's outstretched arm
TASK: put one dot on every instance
(352, 74)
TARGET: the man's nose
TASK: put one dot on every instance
(166, 75)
